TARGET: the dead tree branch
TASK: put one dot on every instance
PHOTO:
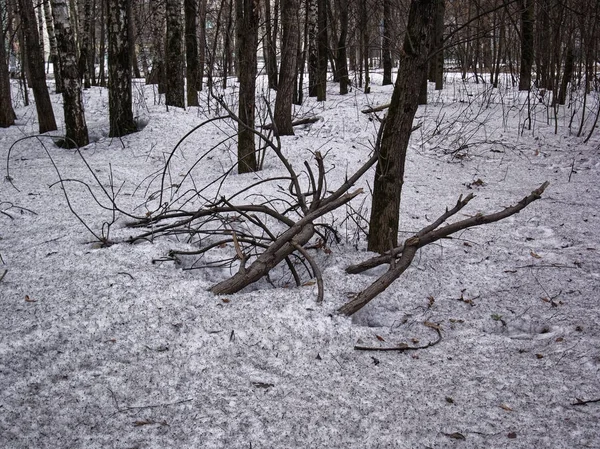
(427, 235)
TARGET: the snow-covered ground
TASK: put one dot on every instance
(115, 347)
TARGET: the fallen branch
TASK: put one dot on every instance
(425, 236)
(372, 109)
(403, 346)
(303, 121)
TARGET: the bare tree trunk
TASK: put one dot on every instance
(287, 75)
(387, 42)
(437, 60)
(7, 113)
(322, 50)
(84, 54)
(270, 47)
(201, 43)
(247, 35)
(342, 57)
(191, 51)
(175, 95)
(527, 8)
(119, 70)
(76, 128)
(389, 174)
(364, 32)
(132, 41)
(313, 53)
(53, 50)
(35, 63)
(102, 52)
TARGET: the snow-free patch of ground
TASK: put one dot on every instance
(112, 347)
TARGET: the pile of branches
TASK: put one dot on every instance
(266, 233)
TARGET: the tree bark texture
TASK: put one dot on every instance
(53, 48)
(527, 9)
(35, 63)
(84, 53)
(201, 43)
(270, 47)
(7, 113)
(175, 95)
(389, 174)
(287, 74)
(191, 51)
(386, 45)
(119, 70)
(75, 125)
(247, 35)
(313, 55)
(342, 57)
(322, 50)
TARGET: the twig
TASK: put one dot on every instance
(580, 402)
(3, 274)
(303, 121)
(315, 269)
(403, 347)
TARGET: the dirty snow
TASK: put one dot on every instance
(118, 347)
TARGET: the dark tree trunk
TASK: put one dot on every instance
(75, 125)
(84, 45)
(102, 51)
(247, 34)
(201, 44)
(270, 47)
(53, 49)
(191, 51)
(567, 75)
(342, 57)
(35, 63)
(364, 32)
(527, 8)
(132, 40)
(287, 74)
(7, 113)
(386, 46)
(119, 70)
(313, 53)
(389, 174)
(322, 50)
(436, 63)
(175, 95)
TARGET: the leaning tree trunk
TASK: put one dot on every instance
(287, 74)
(76, 128)
(247, 35)
(7, 113)
(191, 51)
(35, 63)
(389, 174)
(119, 70)
(175, 95)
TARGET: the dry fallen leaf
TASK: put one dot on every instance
(28, 299)
(537, 256)
(225, 300)
(539, 356)
(380, 338)
(308, 283)
(506, 407)
(142, 422)
(559, 339)
(512, 435)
